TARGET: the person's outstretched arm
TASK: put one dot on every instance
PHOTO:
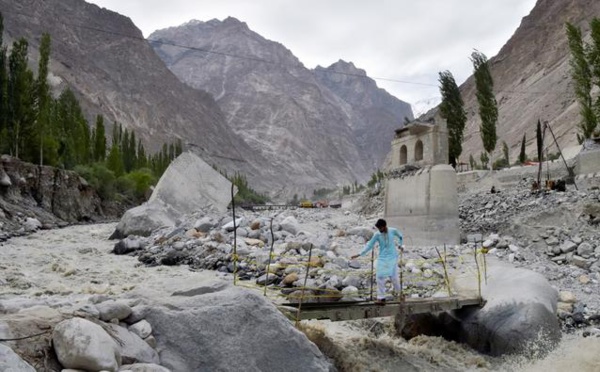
(368, 246)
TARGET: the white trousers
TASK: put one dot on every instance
(381, 280)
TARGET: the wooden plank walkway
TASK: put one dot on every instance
(337, 311)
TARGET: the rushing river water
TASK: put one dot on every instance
(69, 261)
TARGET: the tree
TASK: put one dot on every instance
(488, 108)
(3, 92)
(472, 162)
(505, 153)
(522, 154)
(20, 98)
(484, 159)
(43, 99)
(452, 109)
(99, 140)
(581, 73)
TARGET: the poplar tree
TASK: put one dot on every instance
(3, 92)
(488, 108)
(505, 153)
(99, 139)
(452, 109)
(581, 73)
(20, 98)
(43, 100)
(522, 154)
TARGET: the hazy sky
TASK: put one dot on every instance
(410, 41)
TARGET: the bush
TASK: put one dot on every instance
(140, 181)
(100, 178)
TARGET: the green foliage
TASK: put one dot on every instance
(321, 193)
(376, 177)
(488, 108)
(452, 109)
(522, 154)
(294, 200)
(100, 178)
(21, 115)
(500, 163)
(484, 159)
(245, 194)
(99, 139)
(585, 67)
(505, 153)
(141, 180)
(472, 162)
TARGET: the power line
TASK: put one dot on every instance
(262, 60)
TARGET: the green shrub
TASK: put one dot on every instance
(140, 180)
(100, 178)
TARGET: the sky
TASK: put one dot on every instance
(402, 44)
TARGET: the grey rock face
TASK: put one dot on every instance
(205, 333)
(10, 361)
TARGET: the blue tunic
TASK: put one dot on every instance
(388, 254)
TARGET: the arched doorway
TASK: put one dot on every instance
(419, 150)
(403, 155)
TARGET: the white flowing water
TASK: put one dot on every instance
(67, 265)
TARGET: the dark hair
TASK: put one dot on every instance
(380, 223)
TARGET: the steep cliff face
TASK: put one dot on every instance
(105, 60)
(532, 80)
(376, 112)
(53, 196)
(315, 129)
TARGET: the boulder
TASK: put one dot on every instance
(231, 330)
(81, 344)
(10, 361)
(189, 185)
(144, 219)
(132, 348)
(519, 315)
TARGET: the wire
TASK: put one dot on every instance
(256, 59)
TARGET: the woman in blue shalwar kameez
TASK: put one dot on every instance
(387, 260)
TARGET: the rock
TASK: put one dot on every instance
(361, 231)
(32, 224)
(132, 348)
(143, 367)
(585, 250)
(229, 226)
(194, 335)
(113, 310)
(143, 220)
(205, 224)
(290, 279)
(568, 246)
(127, 245)
(290, 224)
(142, 329)
(11, 362)
(520, 310)
(566, 296)
(81, 344)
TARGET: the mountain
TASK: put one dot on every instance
(377, 113)
(316, 129)
(532, 81)
(103, 57)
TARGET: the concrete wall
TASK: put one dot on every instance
(424, 206)
(588, 162)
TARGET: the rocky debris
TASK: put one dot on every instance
(96, 335)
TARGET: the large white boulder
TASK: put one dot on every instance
(188, 185)
(82, 344)
(10, 361)
(519, 315)
(230, 330)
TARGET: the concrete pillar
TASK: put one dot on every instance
(424, 206)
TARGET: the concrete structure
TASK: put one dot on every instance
(423, 202)
(421, 143)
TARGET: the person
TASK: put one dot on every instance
(387, 260)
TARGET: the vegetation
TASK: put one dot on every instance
(38, 128)
(452, 109)
(585, 71)
(376, 178)
(505, 153)
(488, 107)
(522, 154)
